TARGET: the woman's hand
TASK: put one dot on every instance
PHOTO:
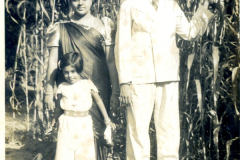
(114, 101)
(48, 101)
(125, 94)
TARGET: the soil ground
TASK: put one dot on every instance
(24, 146)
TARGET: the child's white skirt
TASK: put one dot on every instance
(75, 138)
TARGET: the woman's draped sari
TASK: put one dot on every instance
(74, 37)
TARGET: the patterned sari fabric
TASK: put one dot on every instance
(74, 37)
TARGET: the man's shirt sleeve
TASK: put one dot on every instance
(191, 30)
(123, 43)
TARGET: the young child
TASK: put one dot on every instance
(75, 133)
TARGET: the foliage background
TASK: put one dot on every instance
(209, 70)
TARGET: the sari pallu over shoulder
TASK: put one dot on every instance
(88, 41)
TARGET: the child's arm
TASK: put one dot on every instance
(109, 124)
(102, 108)
(98, 101)
(100, 104)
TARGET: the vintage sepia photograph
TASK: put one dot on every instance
(121, 80)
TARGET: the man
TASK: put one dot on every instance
(147, 61)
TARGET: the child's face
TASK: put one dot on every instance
(70, 74)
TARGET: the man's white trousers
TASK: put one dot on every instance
(162, 98)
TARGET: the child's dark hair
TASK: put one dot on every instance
(73, 59)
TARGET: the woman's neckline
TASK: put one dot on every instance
(90, 25)
(87, 27)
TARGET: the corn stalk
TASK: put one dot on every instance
(35, 37)
(13, 97)
(203, 77)
(36, 91)
(205, 70)
(25, 59)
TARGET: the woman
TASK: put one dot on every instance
(95, 40)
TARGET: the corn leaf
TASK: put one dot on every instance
(235, 76)
(228, 147)
(215, 55)
(44, 10)
(199, 94)
(8, 11)
(189, 66)
(25, 3)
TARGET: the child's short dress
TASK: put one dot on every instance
(75, 133)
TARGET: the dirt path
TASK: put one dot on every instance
(25, 147)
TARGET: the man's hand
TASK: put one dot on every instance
(205, 3)
(125, 94)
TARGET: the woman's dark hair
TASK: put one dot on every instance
(73, 59)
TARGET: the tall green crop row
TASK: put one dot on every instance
(209, 86)
(209, 69)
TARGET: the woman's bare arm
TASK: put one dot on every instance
(52, 69)
(50, 80)
(112, 68)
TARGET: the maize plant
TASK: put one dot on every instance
(206, 97)
(209, 70)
